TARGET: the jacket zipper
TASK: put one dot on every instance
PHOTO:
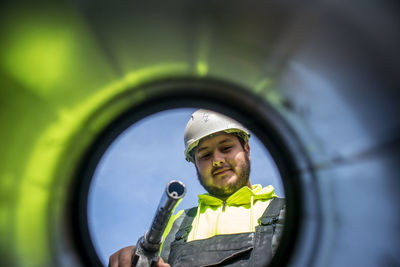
(219, 218)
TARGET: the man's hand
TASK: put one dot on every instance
(123, 258)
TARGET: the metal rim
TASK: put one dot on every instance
(234, 101)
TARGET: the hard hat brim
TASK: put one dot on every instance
(240, 133)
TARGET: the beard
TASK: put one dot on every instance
(243, 178)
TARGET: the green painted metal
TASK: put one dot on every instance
(55, 74)
(330, 70)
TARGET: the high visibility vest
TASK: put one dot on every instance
(217, 221)
(241, 249)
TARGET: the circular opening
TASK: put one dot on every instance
(176, 189)
(251, 111)
(127, 186)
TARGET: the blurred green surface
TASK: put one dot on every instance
(58, 68)
(330, 69)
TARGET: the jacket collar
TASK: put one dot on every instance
(241, 197)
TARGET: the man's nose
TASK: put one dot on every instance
(218, 160)
(218, 163)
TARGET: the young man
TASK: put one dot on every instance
(235, 223)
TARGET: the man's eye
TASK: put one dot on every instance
(205, 156)
(227, 148)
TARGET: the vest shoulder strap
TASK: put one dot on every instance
(183, 222)
(271, 214)
(186, 224)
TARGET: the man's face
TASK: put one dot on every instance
(222, 164)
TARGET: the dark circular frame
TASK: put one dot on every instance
(235, 101)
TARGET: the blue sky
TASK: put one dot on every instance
(132, 175)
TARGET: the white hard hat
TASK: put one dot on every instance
(206, 122)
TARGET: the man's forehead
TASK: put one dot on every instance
(220, 137)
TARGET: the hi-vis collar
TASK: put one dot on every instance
(241, 197)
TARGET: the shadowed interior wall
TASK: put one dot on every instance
(329, 69)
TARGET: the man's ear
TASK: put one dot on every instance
(247, 149)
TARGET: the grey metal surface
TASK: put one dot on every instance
(329, 68)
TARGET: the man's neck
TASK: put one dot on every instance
(224, 198)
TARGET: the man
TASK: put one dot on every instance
(235, 224)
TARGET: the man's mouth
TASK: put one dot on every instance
(221, 171)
